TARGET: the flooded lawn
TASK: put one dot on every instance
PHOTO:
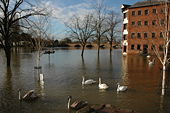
(63, 73)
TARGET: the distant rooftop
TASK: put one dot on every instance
(148, 3)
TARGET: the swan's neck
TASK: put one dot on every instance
(19, 95)
(100, 81)
(68, 104)
(118, 85)
(83, 81)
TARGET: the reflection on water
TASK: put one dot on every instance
(63, 73)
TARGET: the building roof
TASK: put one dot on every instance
(147, 3)
(124, 7)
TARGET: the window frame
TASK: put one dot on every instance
(153, 22)
(161, 47)
(153, 46)
(124, 15)
(133, 23)
(154, 11)
(162, 22)
(138, 46)
(162, 11)
(132, 47)
(139, 23)
(132, 35)
(139, 34)
(133, 13)
(145, 23)
(161, 35)
(145, 35)
(146, 12)
(139, 14)
(124, 26)
(153, 36)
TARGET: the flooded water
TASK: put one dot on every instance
(63, 73)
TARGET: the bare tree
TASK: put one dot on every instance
(82, 30)
(166, 37)
(39, 30)
(113, 28)
(163, 25)
(11, 12)
(99, 22)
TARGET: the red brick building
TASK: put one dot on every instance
(143, 26)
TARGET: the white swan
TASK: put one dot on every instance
(151, 62)
(87, 82)
(102, 86)
(121, 88)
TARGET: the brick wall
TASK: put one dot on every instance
(136, 24)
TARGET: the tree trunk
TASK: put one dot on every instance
(38, 58)
(82, 53)
(8, 55)
(110, 47)
(98, 48)
(163, 80)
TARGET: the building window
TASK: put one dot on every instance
(125, 15)
(154, 22)
(160, 47)
(145, 35)
(146, 12)
(133, 23)
(154, 11)
(139, 35)
(139, 12)
(124, 37)
(161, 35)
(146, 23)
(152, 47)
(139, 23)
(132, 46)
(145, 48)
(133, 13)
(162, 22)
(125, 26)
(162, 10)
(153, 35)
(138, 47)
(133, 35)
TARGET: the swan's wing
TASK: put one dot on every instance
(103, 85)
(123, 88)
(90, 81)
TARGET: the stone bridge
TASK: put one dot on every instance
(90, 45)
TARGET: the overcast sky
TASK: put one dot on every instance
(65, 9)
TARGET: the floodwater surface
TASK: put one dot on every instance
(63, 73)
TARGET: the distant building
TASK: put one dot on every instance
(143, 26)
